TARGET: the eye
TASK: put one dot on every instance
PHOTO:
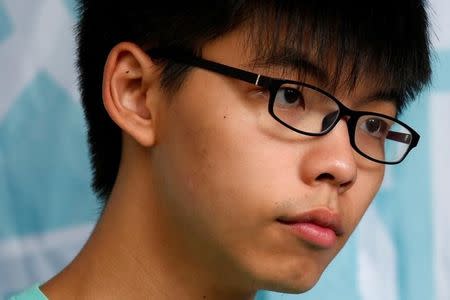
(288, 97)
(376, 127)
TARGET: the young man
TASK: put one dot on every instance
(237, 144)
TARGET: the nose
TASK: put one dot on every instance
(330, 159)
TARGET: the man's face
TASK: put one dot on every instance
(231, 177)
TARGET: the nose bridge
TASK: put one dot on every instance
(339, 141)
(332, 159)
(344, 113)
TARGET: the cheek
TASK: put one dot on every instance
(210, 165)
(220, 181)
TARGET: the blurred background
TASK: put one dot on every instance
(400, 251)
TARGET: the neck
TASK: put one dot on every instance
(136, 251)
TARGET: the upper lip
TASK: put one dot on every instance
(323, 217)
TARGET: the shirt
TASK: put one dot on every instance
(33, 293)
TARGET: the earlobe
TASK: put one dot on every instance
(129, 79)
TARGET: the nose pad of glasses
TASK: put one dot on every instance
(329, 119)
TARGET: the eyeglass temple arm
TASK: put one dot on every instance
(399, 137)
(191, 60)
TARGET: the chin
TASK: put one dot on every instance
(298, 283)
(291, 287)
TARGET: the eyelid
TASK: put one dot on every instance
(257, 91)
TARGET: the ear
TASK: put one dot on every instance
(131, 92)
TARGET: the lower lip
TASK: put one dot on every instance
(316, 235)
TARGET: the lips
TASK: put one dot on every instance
(319, 227)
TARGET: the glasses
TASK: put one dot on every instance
(309, 110)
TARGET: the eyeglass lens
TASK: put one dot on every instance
(311, 111)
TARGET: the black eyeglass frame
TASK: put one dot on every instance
(273, 85)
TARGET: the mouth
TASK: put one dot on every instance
(319, 227)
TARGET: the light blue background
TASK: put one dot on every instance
(47, 208)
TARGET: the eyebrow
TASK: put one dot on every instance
(390, 96)
(292, 59)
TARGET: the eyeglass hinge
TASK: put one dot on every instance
(257, 79)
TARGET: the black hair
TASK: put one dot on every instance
(386, 39)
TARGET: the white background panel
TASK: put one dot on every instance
(440, 139)
(37, 43)
(440, 20)
(36, 258)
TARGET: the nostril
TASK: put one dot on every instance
(329, 177)
(325, 176)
